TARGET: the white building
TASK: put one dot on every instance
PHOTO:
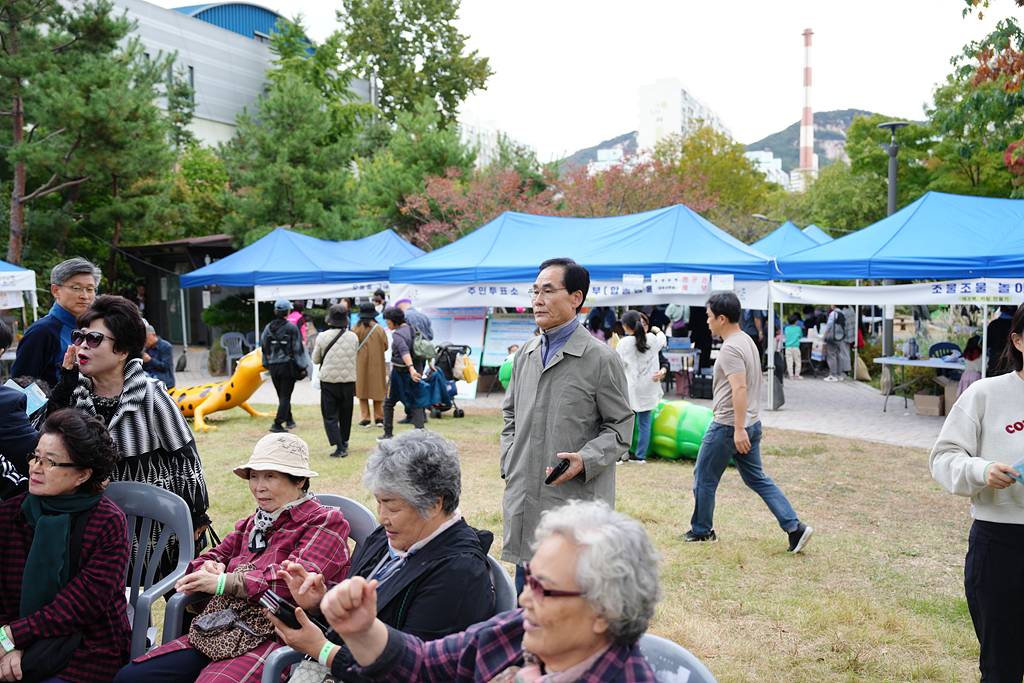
(668, 108)
(770, 166)
(483, 135)
(223, 48)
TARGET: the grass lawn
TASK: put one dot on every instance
(876, 596)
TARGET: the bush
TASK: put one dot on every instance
(233, 314)
(218, 362)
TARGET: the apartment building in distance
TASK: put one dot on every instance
(667, 107)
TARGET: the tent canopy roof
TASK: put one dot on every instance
(513, 245)
(284, 257)
(817, 234)
(940, 236)
(784, 240)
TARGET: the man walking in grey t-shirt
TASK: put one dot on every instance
(737, 402)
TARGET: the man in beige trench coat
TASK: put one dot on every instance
(567, 398)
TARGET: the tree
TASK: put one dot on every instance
(415, 51)
(200, 186)
(42, 45)
(419, 147)
(287, 168)
(181, 107)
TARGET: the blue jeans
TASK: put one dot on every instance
(716, 449)
(643, 439)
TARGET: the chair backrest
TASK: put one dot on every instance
(145, 505)
(672, 662)
(233, 343)
(940, 349)
(250, 339)
(361, 522)
(505, 597)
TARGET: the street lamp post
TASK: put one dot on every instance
(891, 126)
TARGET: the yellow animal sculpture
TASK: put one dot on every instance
(209, 398)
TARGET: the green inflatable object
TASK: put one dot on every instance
(505, 372)
(677, 428)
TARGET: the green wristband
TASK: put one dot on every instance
(984, 475)
(5, 642)
(222, 581)
(325, 652)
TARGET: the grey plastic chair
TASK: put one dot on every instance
(505, 597)
(672, 662)
(144, 505)
(234, 344)
(361, 522)
(251, 341)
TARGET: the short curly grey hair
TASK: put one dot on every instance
(617, 566)
(418, 466)
(66, 270)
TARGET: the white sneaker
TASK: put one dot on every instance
(831, 378)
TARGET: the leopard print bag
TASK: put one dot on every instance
(229, 627)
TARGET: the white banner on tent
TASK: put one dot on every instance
(11, 300)
(328, 290)
(17, 281)
(752, 294)
(976, 291)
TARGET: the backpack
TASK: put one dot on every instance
(422, 349)
(838, 332)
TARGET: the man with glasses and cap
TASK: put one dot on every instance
(284, 355)
(567, 399)
(73, 284)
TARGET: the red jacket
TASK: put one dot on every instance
(93, 602)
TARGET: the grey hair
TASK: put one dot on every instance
(418, 466)
(64, 271)
(617, 565)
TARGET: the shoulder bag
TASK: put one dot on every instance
(47, 657)
(230, 626)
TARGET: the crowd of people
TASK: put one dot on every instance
(416, 601)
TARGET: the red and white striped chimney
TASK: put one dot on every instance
(807, 119)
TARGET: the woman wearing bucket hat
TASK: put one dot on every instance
(289, 524)
(335, 352)
(371, 378)
(284, 355)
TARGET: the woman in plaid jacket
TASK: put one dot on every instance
(49, 589)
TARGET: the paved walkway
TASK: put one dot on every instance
(849, 409)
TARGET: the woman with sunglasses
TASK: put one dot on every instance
(64, 560)
(591, 588)
(102, 375)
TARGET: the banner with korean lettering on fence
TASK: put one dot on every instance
(979, 291)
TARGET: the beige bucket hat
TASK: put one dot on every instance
(278, 453)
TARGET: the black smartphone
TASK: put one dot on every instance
(280, 608)
(559, 470)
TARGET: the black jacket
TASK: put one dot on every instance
(282, 343)
(442, 589)
(17, 441)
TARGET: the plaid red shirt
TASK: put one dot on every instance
(93, 602)
(484, 650)
(312, 535)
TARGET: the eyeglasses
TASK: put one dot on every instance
(546, 291)
(537, 587)
(93, 339)
(79, 289)
(47, 464)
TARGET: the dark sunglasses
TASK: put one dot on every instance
(92, 339)
(537, 587)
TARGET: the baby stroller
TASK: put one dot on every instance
(445, 363)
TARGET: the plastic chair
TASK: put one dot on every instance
(361, 522)
(670, 661)
(144, 505)
(941, 349)
(505, 597)
(234, 344)
(251, 341)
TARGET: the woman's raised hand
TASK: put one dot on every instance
(308, 639)
(70, 357)
(351, 606)
(306, 589)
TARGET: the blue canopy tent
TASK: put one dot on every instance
(817, 234)
(285, 258)
(940, 236)
(504, 254)
(784, 240)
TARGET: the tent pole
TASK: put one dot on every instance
(184, 325)
(256, 311)
(984, 340)
(770, 339)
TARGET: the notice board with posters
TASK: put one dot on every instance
(504, 330)
(462, 326)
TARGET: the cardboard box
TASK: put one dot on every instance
(949, 387)
(926, 404)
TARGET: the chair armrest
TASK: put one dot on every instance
(143, 610)
(279, 660)
(174, 614)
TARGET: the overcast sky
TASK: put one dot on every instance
(567, 72)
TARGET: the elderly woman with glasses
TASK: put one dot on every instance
(102, 375)
(590, 592)
(62, 605)
(428, 565)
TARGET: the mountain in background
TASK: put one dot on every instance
(829, 139)
(626, 141)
